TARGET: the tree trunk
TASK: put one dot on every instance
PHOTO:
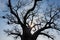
(27, 35)
(26, 38)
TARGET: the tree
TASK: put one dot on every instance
(27, 23)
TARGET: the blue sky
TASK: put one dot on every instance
(3, 24)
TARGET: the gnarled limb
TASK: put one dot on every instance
(12, 33)
(28, 12)
(46, 35)
(12, 12)
(46, 27)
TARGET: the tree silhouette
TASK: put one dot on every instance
(26, 20)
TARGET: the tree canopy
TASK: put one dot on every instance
(25, 13)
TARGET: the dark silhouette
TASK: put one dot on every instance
(25, 20)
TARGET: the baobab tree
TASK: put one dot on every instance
(30, 20)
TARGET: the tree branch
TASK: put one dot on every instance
(25, 17)
(35, 25)
(46, 27)
(39, 33)
(12, 12)
(10, 32)
(46, 35)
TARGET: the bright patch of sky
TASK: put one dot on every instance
(3, 24)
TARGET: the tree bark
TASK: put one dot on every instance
(27, 34)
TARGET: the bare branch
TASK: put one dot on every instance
(10, 32)
(10, 6)
(28, 12)
(47, 35)
(12, 12)
(35, 25)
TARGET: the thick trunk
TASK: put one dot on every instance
(27, 35)
(26, 38)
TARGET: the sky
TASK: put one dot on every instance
(4, 25)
